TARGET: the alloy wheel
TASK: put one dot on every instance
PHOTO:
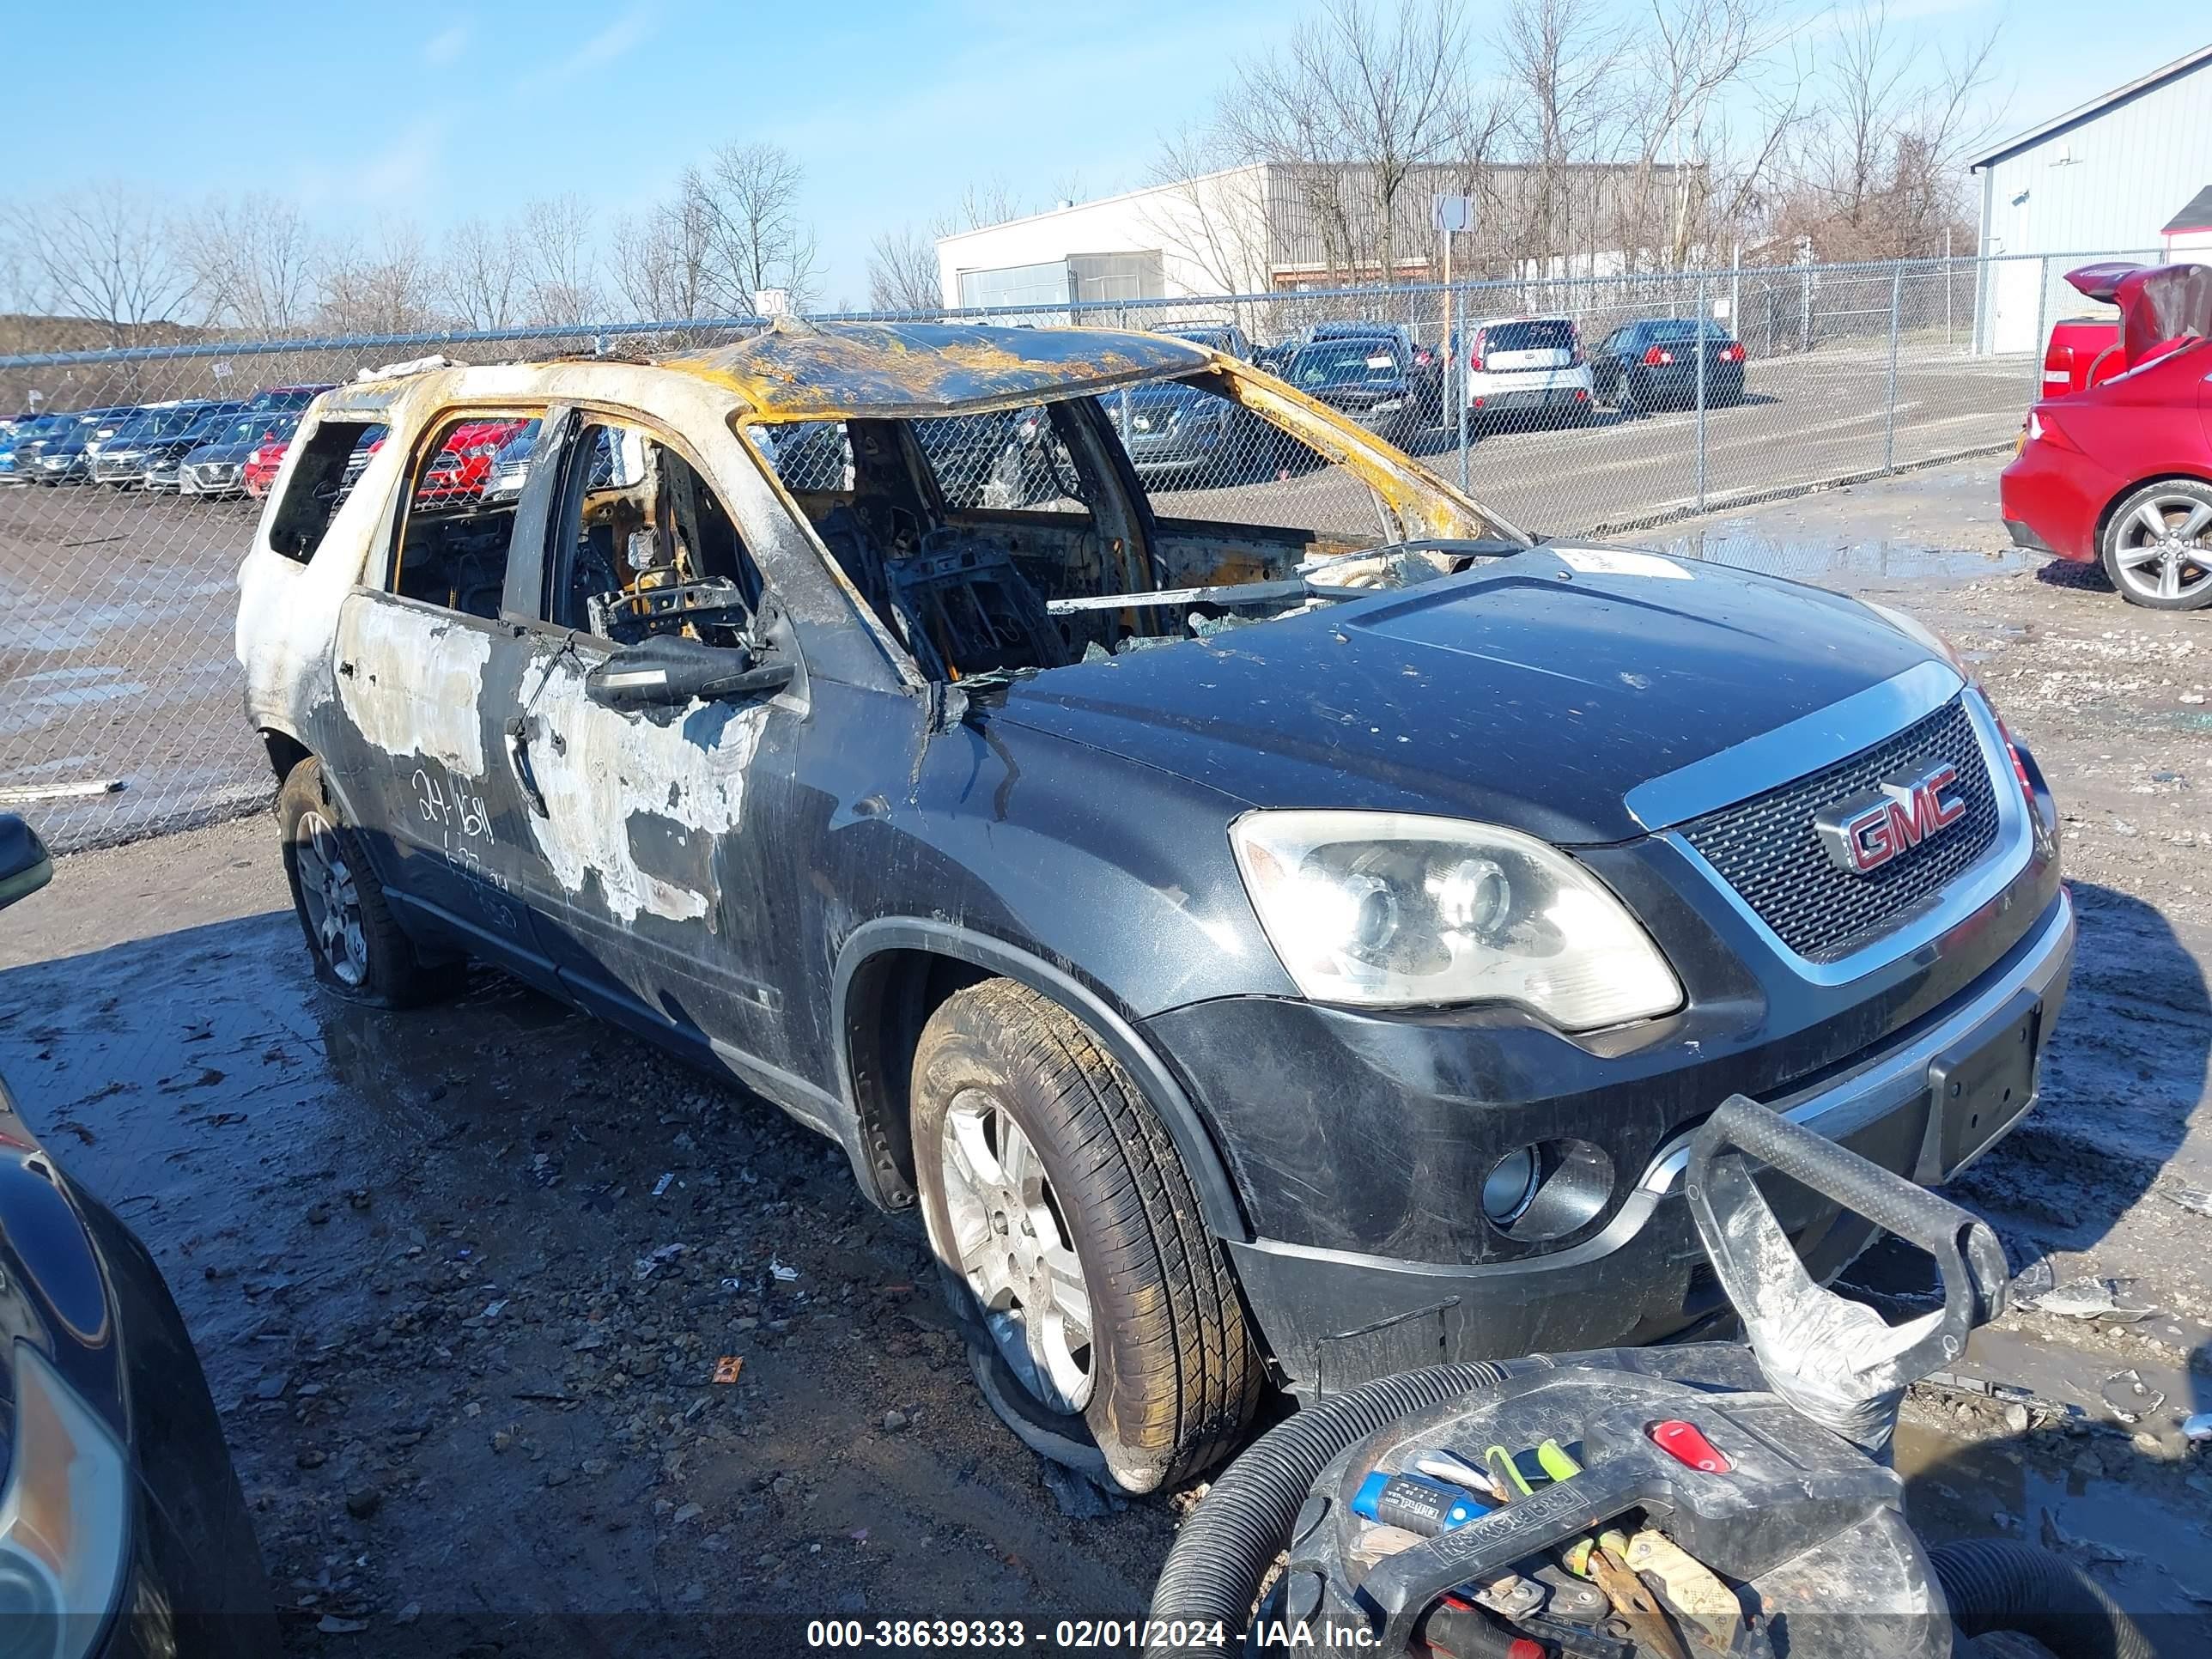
(332, 899)
(2163, 551)
(1011, 1244)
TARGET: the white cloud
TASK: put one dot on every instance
(446, 45)
(614, 41)
(401, 171)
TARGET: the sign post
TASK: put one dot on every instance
(1451, 214)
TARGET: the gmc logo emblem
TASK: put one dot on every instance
(1905, 809)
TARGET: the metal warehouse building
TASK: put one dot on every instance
(2128, 175)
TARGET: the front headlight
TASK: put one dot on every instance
(64, 1519)
(1393, 910)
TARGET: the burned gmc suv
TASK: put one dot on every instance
(1278, 924)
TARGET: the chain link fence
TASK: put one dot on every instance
(1571, 406)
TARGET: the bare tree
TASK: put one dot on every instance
(663, 260)
(1692, 53)
(748, 198)
(1359, 101)
(1876, 171)
(381, 286)
(555, 235)
(480, 276)
(253, 263)
(1564, 59)
(902, 273)
(105, 254)
(1209, 209)
(993, 202)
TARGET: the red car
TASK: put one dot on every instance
(2121, 471)
(261, 466)
(458, 473)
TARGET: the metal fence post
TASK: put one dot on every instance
(1703, 307)
(1461, 365)
(1889, 418)
(2035, 345)
(1947, 288)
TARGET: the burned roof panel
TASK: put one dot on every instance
(807, 371)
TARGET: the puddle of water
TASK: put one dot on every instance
(2070, 1493)
(1826, 563)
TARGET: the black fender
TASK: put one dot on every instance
(1201, 1160)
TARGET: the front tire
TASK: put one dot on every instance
(1100, 1319)
(360, 951)
(2157, 545)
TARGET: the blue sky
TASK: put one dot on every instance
(436, 112)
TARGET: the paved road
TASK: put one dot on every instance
(116, 609)
(1802, 421)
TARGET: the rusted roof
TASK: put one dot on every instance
(824, 371)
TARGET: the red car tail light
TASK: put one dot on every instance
(1657, 357)
(1732, 352)
(2041, 428)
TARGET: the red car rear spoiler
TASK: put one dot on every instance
(2098, 281)
(2159, 304)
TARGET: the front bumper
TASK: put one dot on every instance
(123, 468)
(1334, 1319)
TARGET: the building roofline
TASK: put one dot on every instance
(1101, 201)
(2180, 66)
(1263, 168)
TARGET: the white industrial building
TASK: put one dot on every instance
(1274, 226)
(2127, 175)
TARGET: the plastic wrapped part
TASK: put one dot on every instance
(1837, 1362)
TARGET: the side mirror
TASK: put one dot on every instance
(668, 671)
(24, 865)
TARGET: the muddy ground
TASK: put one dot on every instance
(462, 1278)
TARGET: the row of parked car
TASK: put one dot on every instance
(1519, 371)
(186, 446)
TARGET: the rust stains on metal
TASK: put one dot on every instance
(831, 371)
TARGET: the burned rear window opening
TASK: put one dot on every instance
(1011, 542)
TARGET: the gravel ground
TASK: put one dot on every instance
(463, 1279)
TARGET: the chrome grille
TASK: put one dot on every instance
(1767, 850)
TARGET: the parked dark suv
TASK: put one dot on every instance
(1274, 935)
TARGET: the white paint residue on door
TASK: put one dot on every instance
(608, 767)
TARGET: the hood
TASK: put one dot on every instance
(237, 452)
(1535, 693)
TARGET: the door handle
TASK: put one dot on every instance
(518, 729)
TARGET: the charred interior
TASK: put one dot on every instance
(1000, 542)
